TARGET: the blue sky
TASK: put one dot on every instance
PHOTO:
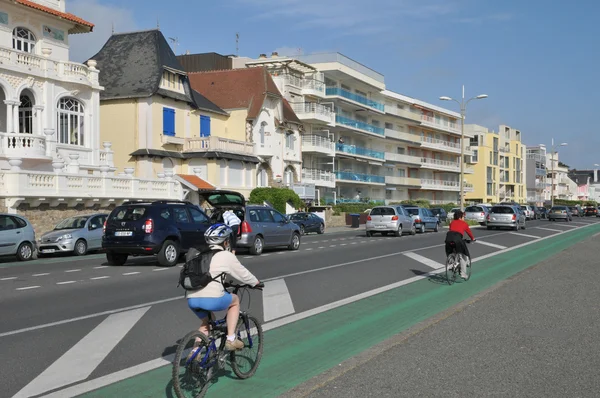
(537, 60)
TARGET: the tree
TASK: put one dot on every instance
(278, 197)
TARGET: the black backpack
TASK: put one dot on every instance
(195, 273)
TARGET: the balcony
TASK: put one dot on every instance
(350, 176)
(540, 172)
(359, 151)
(394, 110)
(213, 143)
(357, 125)
(443, 145)
(437, 164)
(440, 124)
(318, 144)
(314, 113)
(356, 98)
(307, 86)
(408, 181)
(440, 185)
(468, 187)
(22, 145)
(402, 158)
(399, 135)
(46, 68)
(320, 178)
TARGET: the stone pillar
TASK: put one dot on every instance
(49, 142)
(39, 117)
(58, 166)
(129, 171)
(16, 116)
(74, 164)
(15, 163)
(10, 115)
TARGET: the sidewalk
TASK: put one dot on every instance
(533, 335)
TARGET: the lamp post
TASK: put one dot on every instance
(554, 152)
(463, 111)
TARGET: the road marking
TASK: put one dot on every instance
(131, 273)
(247, 256)
(321, 247)
(10, 278)
(281, 252)
(27, 288)
(266, 255)
(277, 301)
(525, 235)
(83, 358)
(343, 244)
(99, 277)
(550, 229)
(160, 269)
(424, 260)
(490, 244)
(65, 282)
(44, 274)
(101, 266)
(579, 222)
(598, 234)
(73, 270)
(310, 248)
(332, 245)
(353, 243)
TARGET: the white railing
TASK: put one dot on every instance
(400, 135)
(74, 69)
(440, 184)
(313, 85)
(446, 164)
(440, 124)
(317, 143)
(22, 145)
(213, 143)
(318, 177)
(440, 144)
(393, 180)
(394, 110)
(311, 110)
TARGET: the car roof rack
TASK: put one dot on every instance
(163, 202)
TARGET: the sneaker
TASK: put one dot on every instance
(237, 344)
(464, 276)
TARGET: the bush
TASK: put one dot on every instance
(351, 208)
(564, 202)
(278, 197)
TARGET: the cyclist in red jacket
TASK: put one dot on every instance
(454, 238)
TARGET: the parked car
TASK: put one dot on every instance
(423, 219)
(262, 226)
(576, 210)
(390, 219)
(17, 237)
(591, 211)
(440, 213)
(560, 213)
(451, 213)
(78, 235)
(477, 213)
(163, 228)
(529, 212)
(505, 216)
(543, 212)
(308, 222)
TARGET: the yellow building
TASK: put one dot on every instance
(160, 126)
(498, 160)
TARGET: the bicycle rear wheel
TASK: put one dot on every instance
(192, 372)
(451, 265)
(244, 362)
(468, 268)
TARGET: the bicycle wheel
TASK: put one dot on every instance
(244, 362)
(468, 268)
(192, 373)
(451, 264)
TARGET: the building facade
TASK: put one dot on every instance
(537, 172)
(558, 176)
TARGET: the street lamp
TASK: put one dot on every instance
(554, 152)
(463, 111)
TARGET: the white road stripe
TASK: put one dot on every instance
(44, 274)
(73, 270)
(525, 235)
(322, 247)
(100, 277)
(308, 249)
(65, 282)
(101, 266)
(160, 269)
(490, 244)
(266, 255)
(247, 256)
(10, 278)
(549, 229)
(131, 273)
(84, 357)
(424, 260)
(277, 301)
(27, 288)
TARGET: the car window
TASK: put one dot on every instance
(253, 216)
(165, 213)
(299, 217)
(180, 215)
(19, 222)
(7, 223)
(502, 210)
(264, 215)
(383, 211)
(435, 212)
(277, 217)
(95, 221)
(400, 211)
(129, 213)
(72, 223)
(473, 209)
(412, 212)
(197, 215)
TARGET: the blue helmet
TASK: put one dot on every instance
(216, 234)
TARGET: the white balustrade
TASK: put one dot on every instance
(22, 145)
(213, 143)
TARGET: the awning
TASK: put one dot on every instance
(193, 182)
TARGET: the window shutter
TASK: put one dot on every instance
(169, 121)
(204, 126)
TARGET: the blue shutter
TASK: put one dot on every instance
(204, 126)
(169, 121)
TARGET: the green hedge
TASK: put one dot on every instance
(278, 197)
(564, 202)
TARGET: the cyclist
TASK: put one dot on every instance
(454, 239)
(214, 297)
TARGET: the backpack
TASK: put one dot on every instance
(195, 273)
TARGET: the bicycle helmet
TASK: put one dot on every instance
(217, 234)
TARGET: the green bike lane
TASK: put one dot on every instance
(296, 352)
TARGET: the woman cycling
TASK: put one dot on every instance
(454, 239)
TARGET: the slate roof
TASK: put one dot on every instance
(580, 177)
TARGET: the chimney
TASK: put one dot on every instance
(274, 54)
(262, 56)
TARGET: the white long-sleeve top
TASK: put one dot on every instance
(223, 262)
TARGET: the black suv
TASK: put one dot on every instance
(163, 228)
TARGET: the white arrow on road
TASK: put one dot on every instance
(277, 301)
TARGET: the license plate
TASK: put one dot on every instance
(380, 226)
(123, 233)
(48, 250)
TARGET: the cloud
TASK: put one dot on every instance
(103, 16)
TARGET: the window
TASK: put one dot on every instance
(375, 123)
(198, 216)
(389, 126)
(401, 173)
(277, 217)
(490, 175)
(70, 122)
(474, 141)
(169, 122)
(261, 134)
(25, 115)
(235, 174)
(23, 40)
(288, 176)
(180, 214)
(204, 126)
(474, 157)
(261, 178)
(400, 150)
(491, 158)
(490, 189)
(289, 141)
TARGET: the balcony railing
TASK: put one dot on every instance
(445, 164)
(311, 110)
(440, 124)
(440, 144)
(360, 151)
(400, 135)
(400, 157)
(346, 121)
(440, 184)
(214, 143)
(317, 143)
(22, 145)
(394, 110)
(393, 180)
(340, 92)
(318, 177)
(359, 177)
(540, 172)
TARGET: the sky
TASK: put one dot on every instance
(537, 60)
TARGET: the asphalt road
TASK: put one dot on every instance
(53, 310)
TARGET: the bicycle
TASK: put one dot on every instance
(453, 265)
(201, 361)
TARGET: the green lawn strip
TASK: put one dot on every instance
(301, 350)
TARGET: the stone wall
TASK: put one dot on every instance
(3, 208)
(44, 218)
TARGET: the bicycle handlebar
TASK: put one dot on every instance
(237, 287)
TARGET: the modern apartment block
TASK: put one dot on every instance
(558, 175)
(537, 183)
(499, 165)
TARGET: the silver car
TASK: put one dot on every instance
(77, 235)
(477, 213)
(390, 219)
(17, 237)
(560, 213)
(504, 216)
(529, 212)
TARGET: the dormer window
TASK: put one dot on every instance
(171, 81)
(23, 40)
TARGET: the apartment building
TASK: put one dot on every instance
(512, 165)
(558, 176)
(537, 172)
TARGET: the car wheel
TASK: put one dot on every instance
(413, 230)
(168, 254)
(258, 246)
(437, 227)
(80, 247)
(116, 258)
(295, 243)
(398, 232)
(422, 229)
(302, 230)
(369, 234)
(321, 230)
(25, 251)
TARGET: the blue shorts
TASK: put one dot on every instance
(209, 304)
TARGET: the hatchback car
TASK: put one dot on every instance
(390, 219)
(163, 228)
(530, 213)
(504, 216)
(308, 222)
(77, 235)
(423, 219)
(560, 213)
(440, 213)
(591, 211)
(576, 211)
(17, 237)
(262, 226)
(477, 214)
